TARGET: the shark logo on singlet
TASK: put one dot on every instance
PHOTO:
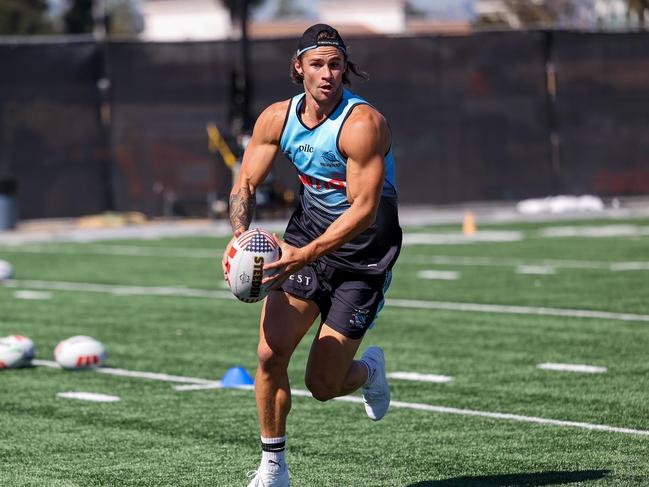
(329, 159)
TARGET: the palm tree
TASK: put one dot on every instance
(241, 85)
(530, 13)
(638, 8)
(24, 17)
(232, 5)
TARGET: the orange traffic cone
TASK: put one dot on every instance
(468, 225)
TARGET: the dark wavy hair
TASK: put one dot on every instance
(353, 68)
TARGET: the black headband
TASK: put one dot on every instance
(309, 39)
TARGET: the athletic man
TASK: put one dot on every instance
(339, 246)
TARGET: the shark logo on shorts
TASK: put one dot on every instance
(359, 318)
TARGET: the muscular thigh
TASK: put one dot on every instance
(331, 355)
(284, 321)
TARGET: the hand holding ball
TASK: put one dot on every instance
(245, 264)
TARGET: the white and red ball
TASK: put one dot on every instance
(16, 351)
(6, 270)
(249, 253)
(80, 352)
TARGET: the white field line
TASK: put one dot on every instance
(629, 266)
(397, 303)
(438, 275)
(88, 396)
(505, 262)
(414, 376)
(200, 387)
(523, 310)
(395, 404)
(460, 238)
(603, 231)
(120, 250)
(216, 253)
(583, 369)
(136, 374)
(152, 231)
(120, 290)
(538, 270)
(204, 253)
(32, 295)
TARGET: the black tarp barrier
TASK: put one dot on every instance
(602, 112)
(471, 116)
(162, 97)
(51, 139)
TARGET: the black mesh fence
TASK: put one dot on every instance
(51, 138)
(162, 97)
(469, 114)
(603, 112)
(87, 127)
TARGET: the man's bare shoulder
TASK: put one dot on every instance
(365, 126)
(270, 122)
(276, 111)
(367, 115)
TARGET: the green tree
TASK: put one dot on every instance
(78, 18)
(24, 17)
(231, 4)
(124, 19)
(529, 13)
(287, 9)
(639, 8)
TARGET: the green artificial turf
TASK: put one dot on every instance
(157, 436)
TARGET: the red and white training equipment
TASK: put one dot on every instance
(6, 271)
(16, 351)
(80, 352)
(245, 263)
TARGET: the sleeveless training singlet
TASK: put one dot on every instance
(322, 172)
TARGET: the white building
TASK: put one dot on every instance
(180, 20)
(496, 11)
(380, 16)
(610, 12)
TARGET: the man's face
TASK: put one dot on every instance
(322, 69)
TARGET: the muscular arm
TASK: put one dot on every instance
(257, 162)
(364, 140)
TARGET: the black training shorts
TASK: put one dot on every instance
(349, 302)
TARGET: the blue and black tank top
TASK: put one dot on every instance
(322, 170)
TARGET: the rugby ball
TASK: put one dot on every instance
(16, 351)
(245, 263)
(6, 271)
(80, 352)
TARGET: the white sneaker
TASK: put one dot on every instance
(376, 394)
(263, 478)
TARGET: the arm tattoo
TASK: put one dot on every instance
(242, 208)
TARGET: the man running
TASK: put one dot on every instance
(339, 246)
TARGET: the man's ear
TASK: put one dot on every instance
(298, 67)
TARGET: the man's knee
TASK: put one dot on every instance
(322, 388)
(271, 359)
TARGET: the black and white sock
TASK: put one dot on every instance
(272, 453)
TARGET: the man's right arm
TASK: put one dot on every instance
(257, 162)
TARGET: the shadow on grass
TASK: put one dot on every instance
(517, 479)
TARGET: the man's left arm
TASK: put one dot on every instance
(364, 140)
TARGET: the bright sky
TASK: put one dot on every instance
(441, 9)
